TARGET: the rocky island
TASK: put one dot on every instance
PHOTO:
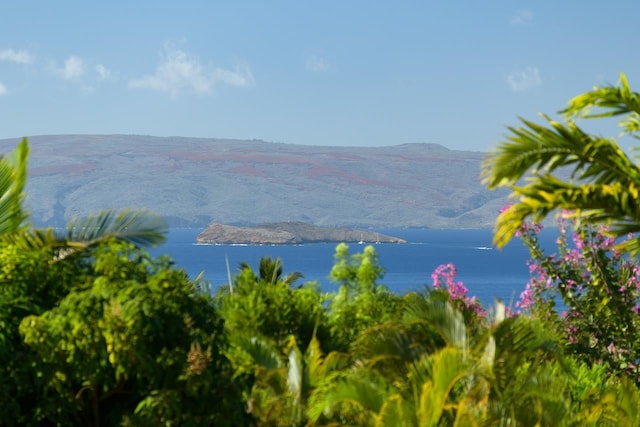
(287, 233)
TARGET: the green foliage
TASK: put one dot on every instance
(285, 378)
(500, 377)
(95, 332)
(421, 361)
(601, 399)
(13, 178)
(360, 301)
(134, 342)
(139, 227)
(608, 181)
(267, 305)
(599, 288)
(276, 330)
(359, 272)
(30, 284)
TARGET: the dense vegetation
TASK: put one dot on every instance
(94, 331)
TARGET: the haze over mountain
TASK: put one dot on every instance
(196, 181)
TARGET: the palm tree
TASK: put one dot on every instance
(504, 376)
(269, 272)
(284, 377)
(604, 183)
(13, 178)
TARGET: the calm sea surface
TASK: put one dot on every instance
(486, 271)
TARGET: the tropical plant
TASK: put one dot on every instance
(360, 301)
(266, 304)
(13, 178)
(84, 337)
(598, 399)
(271, 271)
(285, 378)
(492, 378)
(604, 184)
(132, 342)
(599, 293)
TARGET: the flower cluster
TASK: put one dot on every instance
(444, 277)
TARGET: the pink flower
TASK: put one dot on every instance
(577, 241)
(444, 276)
(526, 297)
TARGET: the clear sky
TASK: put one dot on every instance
(347, 72)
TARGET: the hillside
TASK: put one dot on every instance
(194, 182)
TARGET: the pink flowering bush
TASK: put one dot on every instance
(598, 288)
(444, 278)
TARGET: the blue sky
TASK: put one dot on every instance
(357, 73)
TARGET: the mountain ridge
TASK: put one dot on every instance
(196, 181)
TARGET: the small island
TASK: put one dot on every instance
(288, 233)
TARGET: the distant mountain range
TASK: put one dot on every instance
(195, 181)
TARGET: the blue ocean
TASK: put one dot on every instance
(488, 272)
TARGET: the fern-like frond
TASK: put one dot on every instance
(13, 178)
(538, 149)
(604, 183)
(445, 369)
(616, 204)
(263, 352)
(608, 101)
(358, 394)
(388, 348)
(139, 227)
(398, 412)
(320, 366)
(439, 316)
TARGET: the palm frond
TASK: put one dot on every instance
(263, 352)
(390, 343)
(295, 372)
(13, 178)
(519, 340)
(368, 393)
(396, 411)
(539, 149)
(270, 269)
(139, 227)
(445, 368)
(33, 239)
(618, 403)
(441, 317)
(609, 101)
(604, 182)
(616, 204)
(320, 366)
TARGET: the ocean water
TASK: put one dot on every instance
(487, 272)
